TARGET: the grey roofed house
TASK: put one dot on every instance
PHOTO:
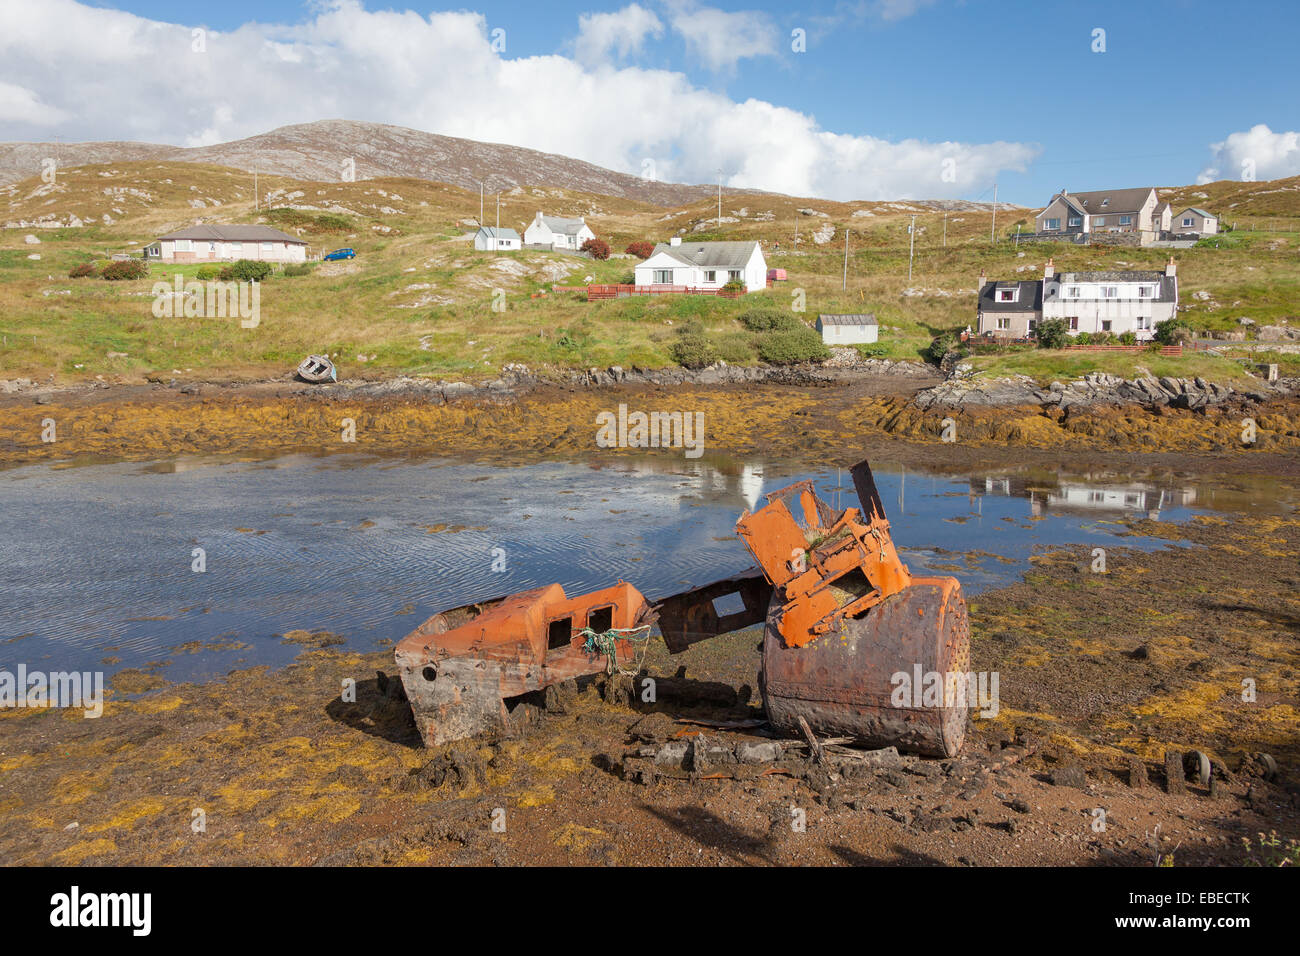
(233, 234)
(1029, 299)
(1104, 201)
(861, 318)
(1200, 212)
(709, 255)
(1167, 284)
(570, 227)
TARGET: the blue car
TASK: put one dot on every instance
(341, 254)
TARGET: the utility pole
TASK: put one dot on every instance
(480, 202)
(719, 197)
(796, 232)
(844, 283)
(911, 248)
(945, 229)
(994, 228)
(257, 199)
(498, 242)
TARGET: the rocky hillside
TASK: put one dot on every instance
(318, 151)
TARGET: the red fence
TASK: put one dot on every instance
(621, 291)
(1164, 349)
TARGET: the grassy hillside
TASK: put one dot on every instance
(419, 300)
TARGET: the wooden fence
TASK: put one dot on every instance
(595, 292)
(1164, 349)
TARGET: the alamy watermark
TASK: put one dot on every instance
(945, 689)
(210, 299)
(63, 689)
(626, 429)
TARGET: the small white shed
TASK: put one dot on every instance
(859, 329)
(496, 238)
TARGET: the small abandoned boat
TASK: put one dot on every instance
(317, 369)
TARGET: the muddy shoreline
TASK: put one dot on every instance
(1099, 682)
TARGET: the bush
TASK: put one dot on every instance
(1128, 338)
(941, 345)
(693, 349)
(125, 269)
(297, 269)
(767, 319)
(1083, 338)
(596, 248)
(736, 348)
(246, 270)
(207, 272)
(333, 222)
(83, 270)
(1172, 331)
(735, 287)
(1102, 338)
(870, 351)
(642, 248)
(1052, 333)
(790, 346)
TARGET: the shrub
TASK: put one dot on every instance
(789, 346)
(692, 349)
(1052, 334)
(1083, 338)
(1172, 331)
(736, 348)
(596, 248)
(246, 270)
(1128, 338)
(82, 270)
(207, 272)
(940, 345)
(734, 287)
(767, 319)
(642, 248)
(870, 351)
(297, 269)
(125, 269)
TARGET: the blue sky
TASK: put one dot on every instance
(886, 91)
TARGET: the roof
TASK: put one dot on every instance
(1103, 201)
(1030, 298)
(499, 232)
(233, 234)
(710, 255)
(1199, 211)
(1167, 285)
(570, 227)
(861, 318)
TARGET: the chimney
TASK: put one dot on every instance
(1049, 270)
(983, 281)
(675, 241)
(1170, 268)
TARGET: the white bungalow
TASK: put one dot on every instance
(704, 265)
(496, 239)
(553, 232)
(206, 243)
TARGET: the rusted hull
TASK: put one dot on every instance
(843, 683)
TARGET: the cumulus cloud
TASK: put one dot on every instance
(719, 39)
(440, 73)
(623, 32)
(1256, 153)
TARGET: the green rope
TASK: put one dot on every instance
(596, 642)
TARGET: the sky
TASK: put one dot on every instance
(838, 99)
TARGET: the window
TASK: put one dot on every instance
(1004, 323)
(1106, 201)
(1105, 325)
(1109, 292)
(733, 275)
(601, 619)
(268, 246)
(1051, 225)
(1075, 221)
(1126, 220)
(559, 633)
(1187, 221)
(180, 245)
(1033, 324)
(1100, 220)
(663, 277)
(1007, 295)
(1072, 292)
(236, 248)
(710, 275)
(1074, 323)
(1144, 292)
(1144, 321)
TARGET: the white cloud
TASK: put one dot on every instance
(1256, 153)
(898, 9)
(20, 105)
(623, 32)
(720, 39)
(439, 73)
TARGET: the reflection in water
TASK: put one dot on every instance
(96, 561)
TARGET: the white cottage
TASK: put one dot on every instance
(496, 239)
(704, 265)
(553, 232)
(205, 243)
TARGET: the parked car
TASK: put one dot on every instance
(341, 254)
